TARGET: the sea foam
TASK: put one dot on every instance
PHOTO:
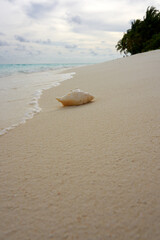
(21, 94)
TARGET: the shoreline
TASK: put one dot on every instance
(28, 106)
(89, 171)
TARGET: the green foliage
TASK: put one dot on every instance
(144, 35)
(153, 43)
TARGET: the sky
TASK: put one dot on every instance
(65, 31)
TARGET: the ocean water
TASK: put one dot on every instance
(21, 85)
(10, 69)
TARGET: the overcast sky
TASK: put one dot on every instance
(61, 31)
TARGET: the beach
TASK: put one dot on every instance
(21, 85)
(88, 172)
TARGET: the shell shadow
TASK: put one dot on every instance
(66, 108)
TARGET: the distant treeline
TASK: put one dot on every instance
(144, 35)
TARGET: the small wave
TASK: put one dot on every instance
(35, 108)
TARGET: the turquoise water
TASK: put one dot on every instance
(9, 69)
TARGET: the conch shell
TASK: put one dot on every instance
(75, 97)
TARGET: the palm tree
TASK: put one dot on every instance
(151, 22)
(142, 35)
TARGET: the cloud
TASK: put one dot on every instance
(24, 40)
(20, 48)
(46, 42)
(21, 39)
(11, 1)
(3, 43)
(70, 46)
(89, 24)
(26, 50)
(72, 29)
(39, 10)
(76, 19)
(93, 53)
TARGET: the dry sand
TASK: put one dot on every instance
(90, 172)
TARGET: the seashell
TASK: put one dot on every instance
(75, 97)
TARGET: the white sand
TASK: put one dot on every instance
(90, 172)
